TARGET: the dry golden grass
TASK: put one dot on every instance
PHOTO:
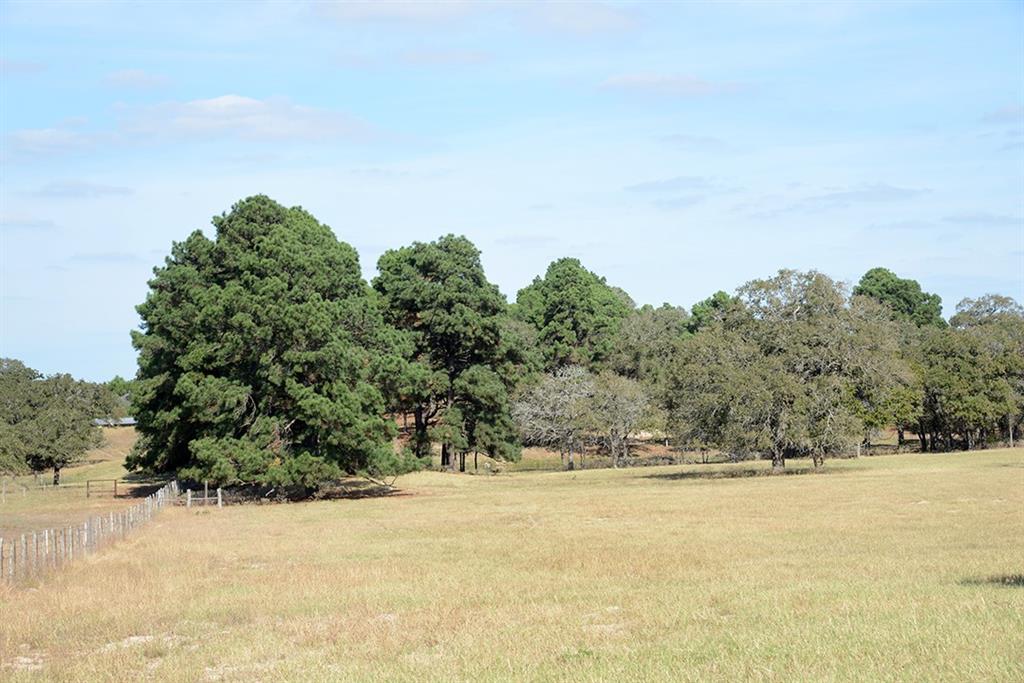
(37, 509)
(888, 568)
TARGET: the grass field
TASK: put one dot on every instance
(888, 568)
(30, 507)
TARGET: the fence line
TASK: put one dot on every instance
(34, 553)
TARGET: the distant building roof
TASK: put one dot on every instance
(114, 422)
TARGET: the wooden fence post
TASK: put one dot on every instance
(188, 498)
(219, 501)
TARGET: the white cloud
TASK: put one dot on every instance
(669, 85)
(526, 241)
(680, 202)
(1013, 113)
(874, 192)
(135, 79)
(841, 198)
(984, 218)
(106, 257)
(681, 192)
(80, 189)
(275, 118)
(13, 221)
(10, 68)
(582, 17)
(444, 57)
(45, 141)
(695, 143)
(396, 11)
(672, 184)
(902, 225)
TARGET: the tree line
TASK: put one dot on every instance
(266, 358)
(47, 422)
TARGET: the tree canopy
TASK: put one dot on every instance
(904, 296)
(576, 313)
(462, 354)
(259, 353)
(265, 358)
(46, 423)
(790, 371)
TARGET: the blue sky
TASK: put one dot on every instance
(676, 149)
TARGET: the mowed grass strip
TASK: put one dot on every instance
(888, 568)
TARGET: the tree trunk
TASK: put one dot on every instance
(446, 456)
(56, 476)
(778, 462)
(899, 439)
(571, 464)
(420, 437)
(462, 461)
(449, 402)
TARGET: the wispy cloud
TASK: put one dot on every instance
(668, 85)
(443, 57)
(402, 11)
(526, 241)
(839, 198)
(106, 257)
(135, 79)
(906, 225)
(275, 118)
(672, 184)
(694, 143)
(13, 221)
(680, 192)
(681, 202)
(31, 142)
(12, 68)
(68, 189)
(1013, 113)
(582, 17)
(984, 219)
(870, 193)
(579, 17)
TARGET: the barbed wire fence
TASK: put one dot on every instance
(32, 554)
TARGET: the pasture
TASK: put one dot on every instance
(33, 505)
(888, 568)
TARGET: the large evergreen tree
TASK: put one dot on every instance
(576, 313)
(903, 295)
(258, 355)
(462, 357)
